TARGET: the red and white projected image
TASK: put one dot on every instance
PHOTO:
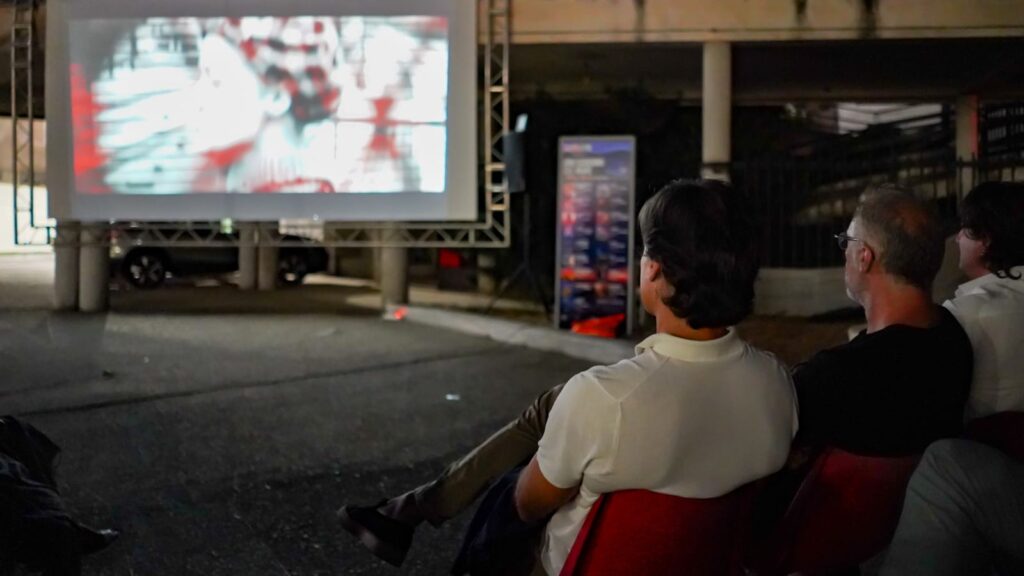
(260, 105)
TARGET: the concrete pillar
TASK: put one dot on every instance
(375, 257)
(394, 276)
(356, 262)
(93, 269)
(966, 127)
(717, 110)
(247, 257)
(266, 268)
(333, 261)
(967, 144)
(486, 263)
(65, 266)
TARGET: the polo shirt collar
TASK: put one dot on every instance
(693, 350)
(969, 287)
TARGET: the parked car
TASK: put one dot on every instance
(149, 266)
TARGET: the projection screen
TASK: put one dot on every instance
(344, 110)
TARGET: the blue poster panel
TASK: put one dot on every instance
(595, 235)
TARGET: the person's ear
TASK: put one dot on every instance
(651, 270)
(865, 258)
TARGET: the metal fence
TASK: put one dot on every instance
(803, 203)
(1001, 130)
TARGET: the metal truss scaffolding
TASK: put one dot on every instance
(491, 230)
(29, 225)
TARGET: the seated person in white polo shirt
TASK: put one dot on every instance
(696, 413)
(990, 306)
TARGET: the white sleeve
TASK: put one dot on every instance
(951, 306)
(581, 433)
(966, 311)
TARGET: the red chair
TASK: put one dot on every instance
(844, 512)
(638, 532)
(1004, 431)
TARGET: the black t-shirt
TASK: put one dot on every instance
(888, 393)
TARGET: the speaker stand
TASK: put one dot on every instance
(525, 268)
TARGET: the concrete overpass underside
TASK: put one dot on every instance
(776, 72)
(905, 70)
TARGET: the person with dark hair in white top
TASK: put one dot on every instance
(697, 412)
(964, 510)
(990, 306)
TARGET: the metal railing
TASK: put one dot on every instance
(801, 204)
(922, 134)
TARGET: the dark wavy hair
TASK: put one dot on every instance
(705, 235)
(994, 212)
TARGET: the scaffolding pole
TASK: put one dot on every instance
(28, 227)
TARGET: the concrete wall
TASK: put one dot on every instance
(800, 292)
(806, 292)
(567, 21)
(7, 217)
(6, 174)
(6, 150)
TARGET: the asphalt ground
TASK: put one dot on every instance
(223, 443)
(220, 430)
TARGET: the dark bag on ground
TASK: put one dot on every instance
(35, 527)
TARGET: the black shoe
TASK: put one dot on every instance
(92, 540)
(388, 539)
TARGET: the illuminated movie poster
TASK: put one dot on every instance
(260, 105)
(594, 285)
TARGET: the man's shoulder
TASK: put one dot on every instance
(995, 296)
(615, 381)
(762, 359)
(840, 353)
(944, 342)
(640, 364)
(623, 376)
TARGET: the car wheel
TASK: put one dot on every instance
(145, 269)
(292, 268)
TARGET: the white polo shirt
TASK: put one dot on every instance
(991, 310)
(686, 418)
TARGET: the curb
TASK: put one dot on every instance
(598, 350)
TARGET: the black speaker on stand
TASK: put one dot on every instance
(514, 150)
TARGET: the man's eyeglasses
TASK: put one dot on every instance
(844, 239)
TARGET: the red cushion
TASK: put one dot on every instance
(844, 513)
(638, 532)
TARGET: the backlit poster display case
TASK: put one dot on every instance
(594, 280)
